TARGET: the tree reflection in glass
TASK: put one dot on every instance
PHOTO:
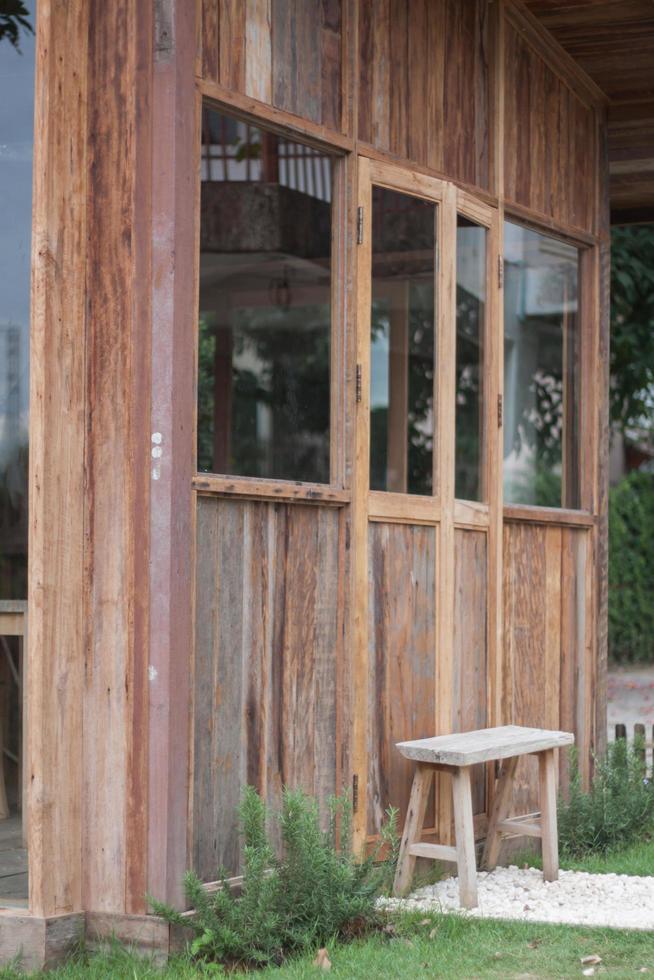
(402, 342)
(16, 139)
(470, 329)
(265, 304)
(541, 357)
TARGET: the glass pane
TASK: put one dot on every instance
(541, 357)
(470, 324)
(16, 140)
(16, 125)
(265, 304)
(402, 342)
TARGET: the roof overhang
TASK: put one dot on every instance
(613, 43)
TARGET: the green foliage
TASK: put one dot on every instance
(14, 16)
(618, 810)
(315, 891)
(631, 569)
(632, 325)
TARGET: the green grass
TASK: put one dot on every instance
(422, 946)
(637, 859)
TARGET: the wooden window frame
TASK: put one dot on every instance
(588, 293)
(337, 491)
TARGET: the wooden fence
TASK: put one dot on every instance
(645, 743)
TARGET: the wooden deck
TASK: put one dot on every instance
(13, 863)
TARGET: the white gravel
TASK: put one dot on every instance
(577, 898)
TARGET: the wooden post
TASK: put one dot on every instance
(415, 818)
(56, 642)
(499, 810)
(465, 837)
(548, 824)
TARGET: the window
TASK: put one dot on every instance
(470, 329)
(402, 342)
(541, 358)
(265, 304)
(16, 140)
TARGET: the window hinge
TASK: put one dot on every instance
(500, 271)
(355, 793)
(357, 383)
(500, 410)
(359, 226)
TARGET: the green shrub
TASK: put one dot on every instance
(618, 810)
(631, 569)
(316, 890)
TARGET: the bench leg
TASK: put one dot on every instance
(465, 837)
(415, 818)
(548, 824)
(499, 810)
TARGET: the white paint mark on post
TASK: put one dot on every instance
(157, 453)
(152, 673)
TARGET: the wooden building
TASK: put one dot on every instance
(317, 413)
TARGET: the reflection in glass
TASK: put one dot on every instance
(16, 139)
(470, 324)
(541, 356)
(402, 343)
(16, 125)
(265, 304)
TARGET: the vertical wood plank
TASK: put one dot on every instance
(109, 497)
(210, 35)
(601, 429)
(360, 487)
(232, 44)
(307, 18)
(331, 64)
(398, 92)
(379, 108)
(470, 665)
(258, 50)
(175, 164)
(55, 645)
(445, 399)
(365, 69)
(418, 64)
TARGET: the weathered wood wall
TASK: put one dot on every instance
(446, 88)
(470, 694)
(424, 84)
(552, 135)
(402, 642)
(473, 93)
(549, 648)
(269, 672)
(286, 53)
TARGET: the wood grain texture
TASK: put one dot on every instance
(55, 658)
(402, 669)
(175, 162)
(268, 663)
(470, 655)
(550, 139)
(284, 53)
(117, 429)
(548, 651)
(423, 83)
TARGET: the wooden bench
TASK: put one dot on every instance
(456, 754)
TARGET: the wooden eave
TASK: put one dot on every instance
(613, 44)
